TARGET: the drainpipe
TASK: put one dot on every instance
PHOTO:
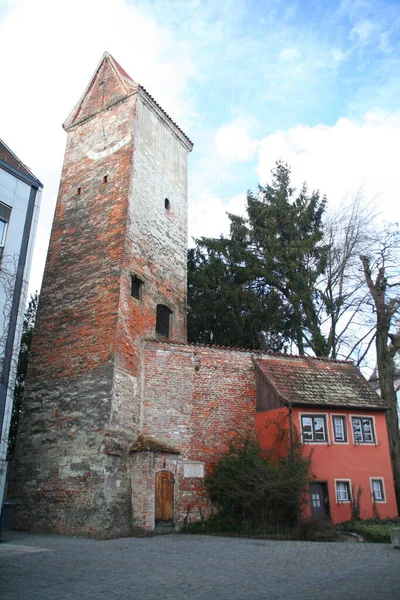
(291, 430)
(298, 512)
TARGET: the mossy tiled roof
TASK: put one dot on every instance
(303, 380)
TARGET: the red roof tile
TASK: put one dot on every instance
(145, 443)
(10, 158)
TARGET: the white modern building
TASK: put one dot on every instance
(20, 194)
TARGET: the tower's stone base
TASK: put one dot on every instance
(69, 474)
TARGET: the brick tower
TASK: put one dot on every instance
(115, 275)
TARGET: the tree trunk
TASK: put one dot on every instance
(385, 352)
(386, 371)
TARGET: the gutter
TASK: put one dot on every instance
(322, 405)
(289, 405)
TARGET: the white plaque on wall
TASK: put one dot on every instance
(193, 469)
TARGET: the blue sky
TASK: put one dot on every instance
(315, 83)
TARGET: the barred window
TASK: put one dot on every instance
(136, 287)
(163, 320)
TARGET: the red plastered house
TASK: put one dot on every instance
(338, 417)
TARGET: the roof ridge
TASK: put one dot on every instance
(250, 351)
(126, 75)
(126, 81)
(121, 74)
(165, 113)
(118, 67)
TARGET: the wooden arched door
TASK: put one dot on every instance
(165, 484)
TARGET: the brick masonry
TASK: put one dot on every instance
(195, 398)
(82, 409)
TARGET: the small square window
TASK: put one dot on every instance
(136, 287)
(343, 491)
(378, 493)
(339, 428)
(313, 428)
(363, 430)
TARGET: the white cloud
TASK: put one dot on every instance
(208, 215)
(384, 43)
(338, 56)
(234, 142)
(362, 31)
(53, 49)
(289, 54)
(341, 159)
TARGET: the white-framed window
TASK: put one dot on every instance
(339, 428)
(343, 490)
(363, 430)
(377, 489)
(313, 428)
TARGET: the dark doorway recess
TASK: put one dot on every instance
(319, 499)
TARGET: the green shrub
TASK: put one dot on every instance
(258, 491)
(316, 529)
(371, 530)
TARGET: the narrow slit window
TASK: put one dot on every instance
(167, 204)
(163, 319)
(136, 287)
(78, 191)
(5, 213)
(105, 179)
(339, 428)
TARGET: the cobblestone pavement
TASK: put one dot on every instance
(44, 567)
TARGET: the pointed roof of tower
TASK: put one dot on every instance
(116, 85)
(108, 84)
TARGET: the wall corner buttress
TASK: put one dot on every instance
(141, 384)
